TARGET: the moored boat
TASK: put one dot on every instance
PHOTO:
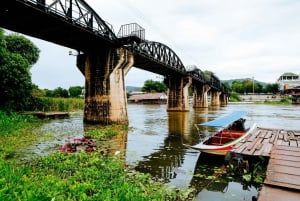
(231, 131)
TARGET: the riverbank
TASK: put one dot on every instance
(63, 176)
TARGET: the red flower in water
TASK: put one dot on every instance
(81, 141)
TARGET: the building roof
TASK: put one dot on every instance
(289, 74)
(148, 96)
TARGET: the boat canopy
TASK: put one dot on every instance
(225, 121)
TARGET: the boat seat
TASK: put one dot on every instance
(221, 140)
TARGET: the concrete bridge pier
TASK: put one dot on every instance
(223, 99)
(200, 96)
(215, 98)
(105, 92)
(178, 93)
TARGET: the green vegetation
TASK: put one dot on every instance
(154, 86)
(252, 171)
(250, 86)
(17, 55)
(16, 132)
(47, 104)
(284, 101)
(62, 176)
(235, 97)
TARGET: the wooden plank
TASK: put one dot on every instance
(281, 162)
(284, 168)
(267, 150)
(268, 193)
(283, 180)
(254, 135)
(240, 148)
(286, 137)
(268, 135)
(272, 138)
(253, 144)
(278, 142)
(293, 143)
(285, 143)
(287, 148)
(287, 158)
(280, 136)
(262, 134)
(286, 152)
(251, 149)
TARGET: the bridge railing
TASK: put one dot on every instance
(131, 33)
(132, 29)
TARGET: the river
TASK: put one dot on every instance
(154, 145)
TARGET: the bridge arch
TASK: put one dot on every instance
(160, 53)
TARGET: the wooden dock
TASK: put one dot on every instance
(50, 115)
(262, 140)
(283, 147)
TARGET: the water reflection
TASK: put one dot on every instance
(212, 181)
(164, 162)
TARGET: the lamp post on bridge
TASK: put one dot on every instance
(253, 85)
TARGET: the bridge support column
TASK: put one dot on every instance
(200, 96)
(215, 98)
(223, 99)
(178, 93)
(105, 92)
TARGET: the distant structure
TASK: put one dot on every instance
(148, 98)
(288, 81)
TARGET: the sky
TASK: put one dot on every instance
(257, 39)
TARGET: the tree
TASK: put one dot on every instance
(20, 45)
(237, 86)
(75, 91)
(15, 78)
(246, 86)
(228, 86)
(271, 88)
(154, 86)
(60, 92)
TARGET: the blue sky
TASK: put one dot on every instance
(232, 38)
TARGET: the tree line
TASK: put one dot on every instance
(251, 86)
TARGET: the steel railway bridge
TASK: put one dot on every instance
(104, 58)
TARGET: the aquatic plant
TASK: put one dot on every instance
(252, 171)
(78, 144)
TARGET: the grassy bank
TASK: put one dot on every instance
(63, 176)
(47, 104)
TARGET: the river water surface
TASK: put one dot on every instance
(155, 139)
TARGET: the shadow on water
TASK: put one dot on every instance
(212, 180)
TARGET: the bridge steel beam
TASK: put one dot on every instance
(178, 93)
(105, 92)
(215, 98)
(200, 99)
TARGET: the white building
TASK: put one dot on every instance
(288, 81)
